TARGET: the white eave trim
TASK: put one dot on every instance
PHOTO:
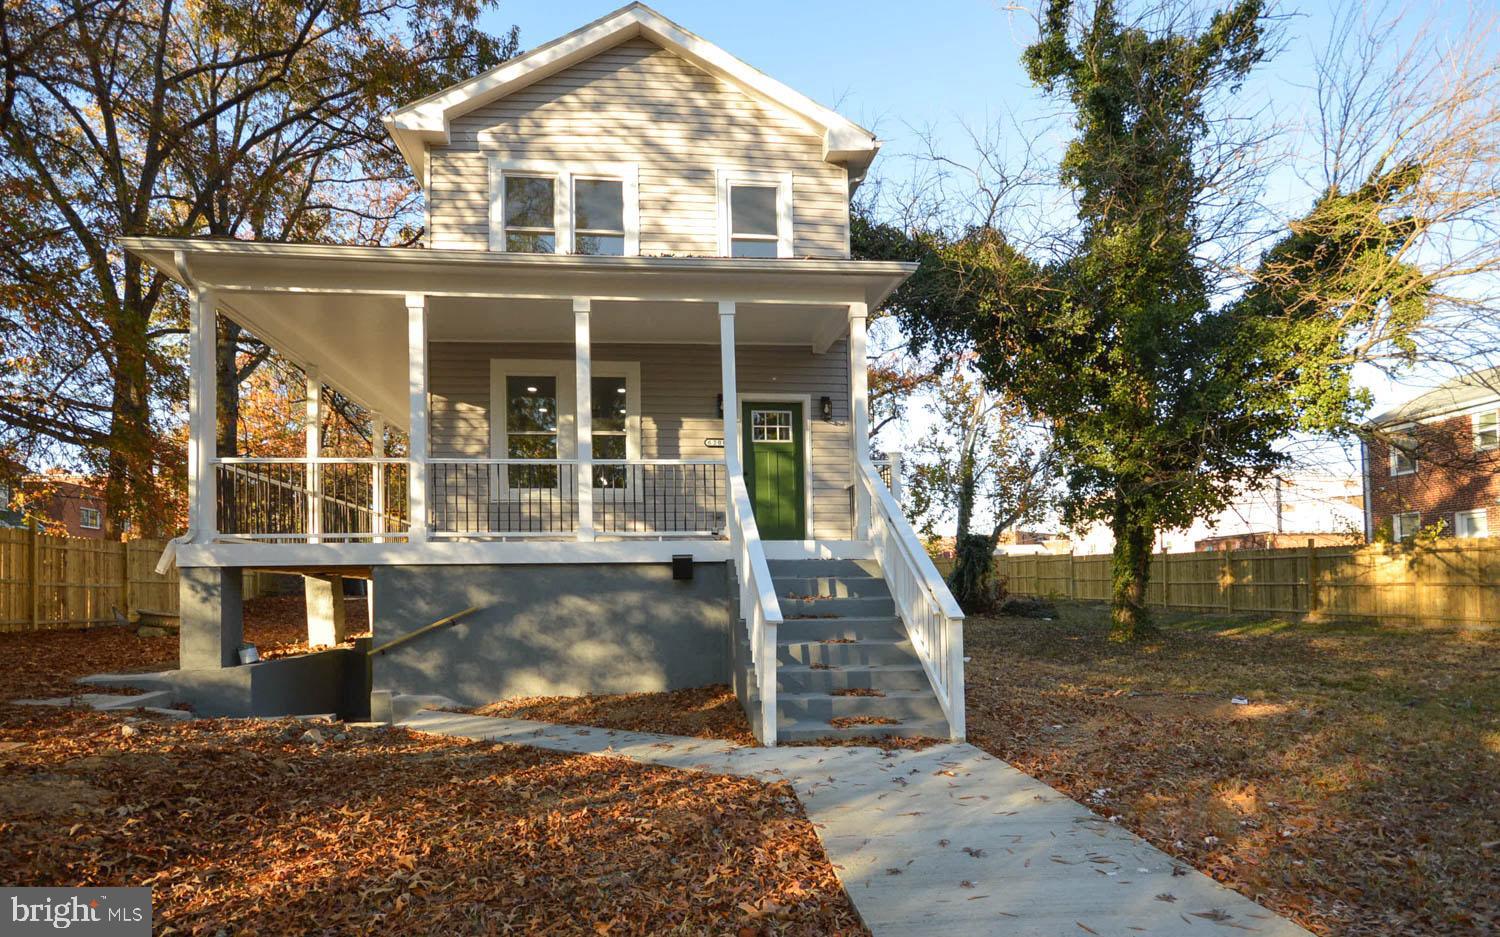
(426, 122)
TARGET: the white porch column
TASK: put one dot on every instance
(377, 478)
(202, 411)
(859, 416)
(583, 373)
(416, 386)
(313, 429)
(731, 395)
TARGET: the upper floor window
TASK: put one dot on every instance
(530, 211)
(90, 518)
(1487, 430)
(542, 208)
(1403, 457)
(755, 214)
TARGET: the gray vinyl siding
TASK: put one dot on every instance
(679, 384)
(638, 103)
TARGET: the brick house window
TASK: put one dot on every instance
(1487, 430)
(1405, 526)
(1472, 523)
(1403, 457)
(89, 518)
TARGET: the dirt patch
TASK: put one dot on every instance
(240, 828)
(1353, 791)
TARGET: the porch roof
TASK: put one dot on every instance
(341, 309)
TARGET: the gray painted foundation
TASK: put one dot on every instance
(549, 630)
(211, 611)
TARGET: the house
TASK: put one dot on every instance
(630, 365)
(62, 503)
(1434, 461)
(1287, 509)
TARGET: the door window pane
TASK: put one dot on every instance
(770, 426)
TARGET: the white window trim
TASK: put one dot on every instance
(1478, 447)
(98, 519)
(563, 371)
(1395, 453)
(563, 175)
(782, 181)
(1482, 514)
(1396, 527)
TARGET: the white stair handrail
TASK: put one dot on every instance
(933, 619)
(758, 603)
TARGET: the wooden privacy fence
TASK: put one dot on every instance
(67, 582)
(1454, 582)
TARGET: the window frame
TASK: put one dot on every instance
(84, 511)
(564, 371)
(563, 176)
(1495, 429)
(1394, 454)
(1396, 533)
(727, 179)
(1483, 514)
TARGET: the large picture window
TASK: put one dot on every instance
(531, 416)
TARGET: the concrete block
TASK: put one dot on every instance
(325, 609)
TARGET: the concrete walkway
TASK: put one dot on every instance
(943, 840)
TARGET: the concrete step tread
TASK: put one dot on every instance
(808, 729)
(885, 695)
(843, 619)
(856, 642)
(852, 668)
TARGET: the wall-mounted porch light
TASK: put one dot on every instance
(825, 407)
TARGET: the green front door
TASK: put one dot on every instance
(774, 455)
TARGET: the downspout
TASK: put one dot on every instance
(1364, 475)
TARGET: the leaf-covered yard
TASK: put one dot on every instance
(241, 826)
(1357, 789)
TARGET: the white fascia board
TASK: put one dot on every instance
(426, 122)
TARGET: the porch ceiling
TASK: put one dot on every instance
(342, 309)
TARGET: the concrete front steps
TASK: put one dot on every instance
(841, 633)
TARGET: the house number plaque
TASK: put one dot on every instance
(714, 442)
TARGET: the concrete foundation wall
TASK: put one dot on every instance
(551, 630)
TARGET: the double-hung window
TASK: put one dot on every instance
(755, 214)
(1403, 456)
(531, 415)
(1405, 526)
(542, 208)
(1487, 430)
(90, 518)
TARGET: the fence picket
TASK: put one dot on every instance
(51, 582)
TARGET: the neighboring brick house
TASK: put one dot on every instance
(1436, 459)
(66, 504)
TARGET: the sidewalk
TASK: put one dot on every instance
(943, 840)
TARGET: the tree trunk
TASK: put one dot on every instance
(1130, 619)
(972, 581)
(227, 378)
(129, 486)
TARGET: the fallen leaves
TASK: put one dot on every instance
(710, 712)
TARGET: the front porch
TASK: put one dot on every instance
(603, 457)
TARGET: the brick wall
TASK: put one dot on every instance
(1451, 476)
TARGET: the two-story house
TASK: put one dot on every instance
(1436, 460)
(631, 367)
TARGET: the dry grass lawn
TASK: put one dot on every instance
(1357, 791)
(240, 827)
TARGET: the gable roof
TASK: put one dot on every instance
(426, 122)
(1474, 389)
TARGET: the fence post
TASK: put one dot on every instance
(1312, 576)
(36, 573)
(125, 579)
(1226, 581)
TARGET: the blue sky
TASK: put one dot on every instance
(914, 70)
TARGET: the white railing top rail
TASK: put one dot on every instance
(906, 540)
(303, 460)
(759, 571)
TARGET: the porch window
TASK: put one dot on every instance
(530, 205)
(1487, 430)
(755, 214)
(1472, 523)
(598, 216)
(1405, 526)
(531, 429)
(611, 416)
